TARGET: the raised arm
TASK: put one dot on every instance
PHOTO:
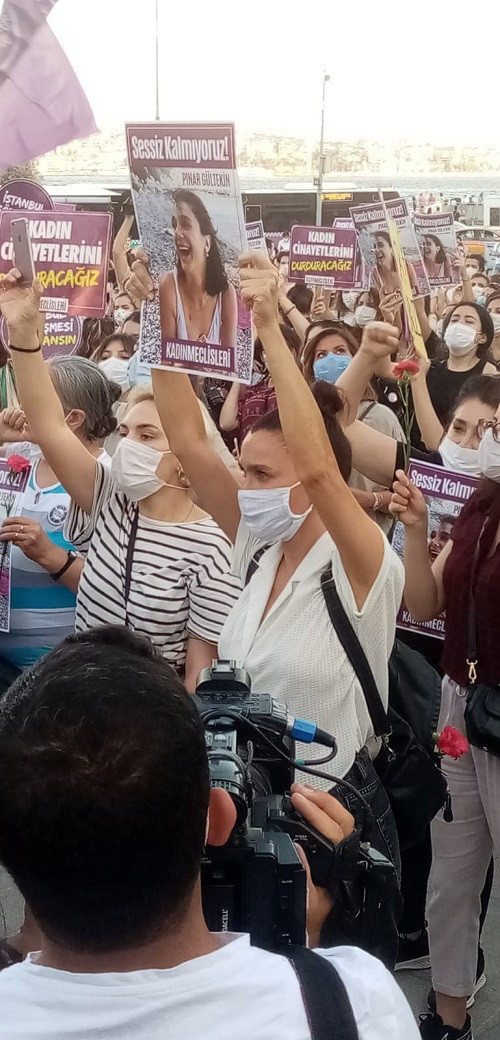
(297, 320)
(229, 318)
(374, 454)
(358, 539)
(73, 465)
(378, 343)
(430, 428)
(228, 418)
(181, 418)
(424, 591)
(120, 261)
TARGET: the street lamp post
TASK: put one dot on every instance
(157, 63)
(321, 160)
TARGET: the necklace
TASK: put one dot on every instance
(188, 514)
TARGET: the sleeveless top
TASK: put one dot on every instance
(444, 386)
(215, 327)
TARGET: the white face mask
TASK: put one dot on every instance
(116, 370)
(459, 338)
(478, 291)
(459, 459)
(267, 513)
(496, 323)
(349, 319)
(489, 457)
(364, 315)
(350, 299)
(471, 271)
(133, 468)
(120, 314)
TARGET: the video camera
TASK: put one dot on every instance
(256, 882)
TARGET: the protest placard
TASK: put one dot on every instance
(13, 484)
(321, 256)
(190, 217)
(71, 255)
(256, 239)
(413, 331)
(62, 335)
(24, 196)
(361, 272)
(437, 239)
(65, 207)
(374, 241)
(446, 493)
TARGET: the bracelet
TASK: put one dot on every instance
(24, 350)
(378, 501)
(292, 308)
(71, 559)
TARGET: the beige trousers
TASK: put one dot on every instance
(461, 854)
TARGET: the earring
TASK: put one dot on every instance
(207, 252)
(181, 477)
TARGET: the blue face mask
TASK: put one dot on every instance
(482, 300)
(330, 367)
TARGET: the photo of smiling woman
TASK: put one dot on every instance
(197, 301)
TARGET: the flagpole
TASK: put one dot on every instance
(157, 63)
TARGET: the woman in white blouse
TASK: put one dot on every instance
(296, 502)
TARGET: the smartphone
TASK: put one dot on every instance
(23, 256)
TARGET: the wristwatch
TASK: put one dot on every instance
(70, 559)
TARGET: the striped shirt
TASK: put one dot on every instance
(42, 612)
(180, 585)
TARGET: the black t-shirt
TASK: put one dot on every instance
(444, 387)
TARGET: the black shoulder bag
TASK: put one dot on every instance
(328, 1008)
(482, 710)
(408, 769)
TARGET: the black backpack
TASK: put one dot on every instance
(328, 1008)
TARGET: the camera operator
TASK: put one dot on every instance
(105, 807)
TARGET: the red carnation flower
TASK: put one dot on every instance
(451, 742)
(408, 367)
(18, 463)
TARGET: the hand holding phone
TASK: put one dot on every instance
(23, 256)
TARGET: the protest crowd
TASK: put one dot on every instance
(264, 477)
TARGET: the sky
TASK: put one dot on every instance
(407, 75)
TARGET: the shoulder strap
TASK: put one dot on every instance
(366, 411)
(355, 654)
(253, 566)
(130, 555)
(471, 610)
(325, 997)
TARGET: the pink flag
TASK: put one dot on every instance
(42, 104)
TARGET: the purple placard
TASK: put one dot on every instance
(256, 239)
(12, 488)
(71, 255)
(361, 273)
(24, 196)
(446, 494)
(437, 239)
(376, 249)
(190, 217)
(62, 335)
(321, 256)
(192, 146)
(65, 207)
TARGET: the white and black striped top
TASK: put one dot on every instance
(180, 585)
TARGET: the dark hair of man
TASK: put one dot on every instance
(104, 791)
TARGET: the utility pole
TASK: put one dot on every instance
(321, 160)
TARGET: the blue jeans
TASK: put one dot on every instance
(366, 911)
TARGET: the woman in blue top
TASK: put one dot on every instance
(42, 598)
